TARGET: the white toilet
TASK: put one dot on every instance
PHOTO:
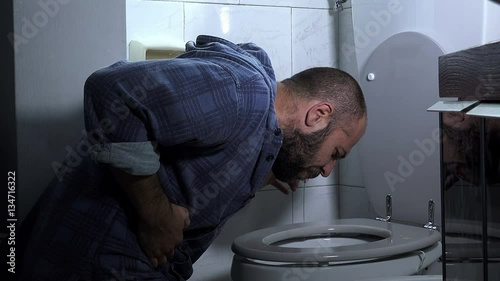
(349, 249)
(399, 155)
(410, 278)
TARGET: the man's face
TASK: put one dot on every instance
(303, 156)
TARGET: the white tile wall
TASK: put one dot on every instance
(375, 21)
(350, 173)
(313, 35)
(318, 4)
(324, 4)
(354, 203)
(491, 21)
(455, 25)
(298, 199)
(322, 181)
(154, 19)
(245, 24)
(205, 1)
(346, 54)
(318, 203)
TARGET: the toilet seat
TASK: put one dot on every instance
(409, 278)
(245, 269)
(393, 239)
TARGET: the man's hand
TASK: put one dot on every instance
(272, 180)
(161, 223)
(159, 236)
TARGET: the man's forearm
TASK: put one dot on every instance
(161, 224)
(144, 192)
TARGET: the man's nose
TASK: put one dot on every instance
(327, 169)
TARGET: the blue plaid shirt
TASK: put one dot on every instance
(204, 122)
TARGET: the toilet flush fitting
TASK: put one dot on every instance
(338, 5)
(388, 209)
(430, 224)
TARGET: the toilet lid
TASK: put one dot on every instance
(392, 239)
(399, 153)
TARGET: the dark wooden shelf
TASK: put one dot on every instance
(472, 73)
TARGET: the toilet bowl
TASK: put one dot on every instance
(348, 249)
(399, 156)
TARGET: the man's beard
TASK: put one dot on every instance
(297, 151)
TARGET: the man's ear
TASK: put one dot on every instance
(319, 115)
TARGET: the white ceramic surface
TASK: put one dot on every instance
(154, 20)
(313, 39)
(239, 24)
(408, 278)
(387, 239)
(399, 153)
(412, 263)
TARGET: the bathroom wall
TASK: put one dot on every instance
(57, 44)
(491, 21)
(60, 42)
(297, 35)
(453, 24)
(8, 141)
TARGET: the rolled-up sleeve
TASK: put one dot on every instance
(139, 158)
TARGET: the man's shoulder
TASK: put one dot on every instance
(211, 47)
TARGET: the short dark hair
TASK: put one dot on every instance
(333, 85)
